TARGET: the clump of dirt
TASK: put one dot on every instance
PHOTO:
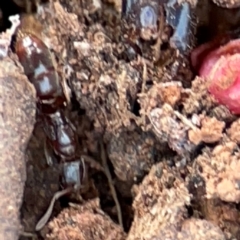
(84, 222)
(160, 209)
(17, 100)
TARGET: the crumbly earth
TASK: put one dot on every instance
(162, 154)
(220, 174)
(160, 209)
(17, 107)
(84, 222)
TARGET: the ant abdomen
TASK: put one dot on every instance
(37, 62)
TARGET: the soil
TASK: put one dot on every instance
(162, 155)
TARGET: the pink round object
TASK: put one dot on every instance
(225, 81)
(209, 61)
(221, 67)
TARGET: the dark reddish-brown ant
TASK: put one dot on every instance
(38, 66)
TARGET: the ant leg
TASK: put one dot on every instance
(72, 125)
(42, 222)
(48, 153)
(66, 90)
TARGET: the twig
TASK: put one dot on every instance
(185, 121)
(182, 118)
(111, 185)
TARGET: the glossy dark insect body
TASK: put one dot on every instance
(37, 62)
(150, 18)
(61, 135)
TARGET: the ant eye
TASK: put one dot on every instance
(148, 17)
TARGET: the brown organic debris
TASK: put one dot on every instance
(152, 213)
(160, 211)
(220, 171)
(132, 154)
(170, 126)
(225, 215)
(210, 131)
(234, 131)
(86, 222)
(199, 230)
(159, 94)
(199, 97)
(193, 229)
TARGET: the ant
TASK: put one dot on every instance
(38, 65)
